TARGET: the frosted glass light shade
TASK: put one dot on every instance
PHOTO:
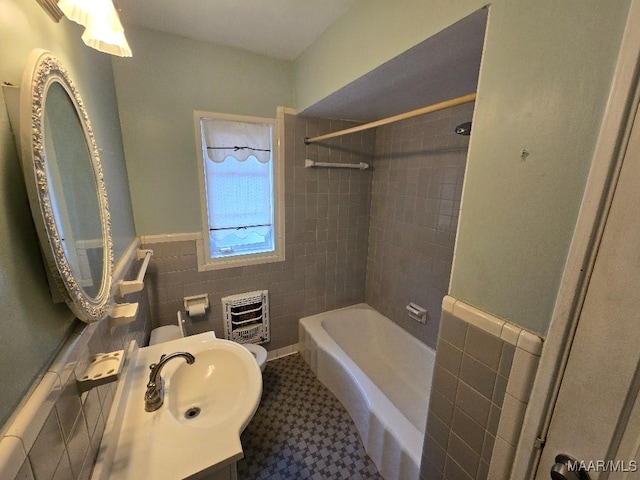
(104, 38)
(103, 30)
(76, 10)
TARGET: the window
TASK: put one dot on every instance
(240, 189)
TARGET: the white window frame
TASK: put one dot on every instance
(205, 262)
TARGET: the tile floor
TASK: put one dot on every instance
(301, 431)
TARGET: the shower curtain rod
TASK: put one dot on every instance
(402, 116)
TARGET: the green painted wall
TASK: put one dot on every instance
(545, 77)
(168, 78)
(32, 328)
(544, 80)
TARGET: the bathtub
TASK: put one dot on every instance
(381, 374)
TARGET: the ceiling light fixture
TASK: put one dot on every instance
(103, 30)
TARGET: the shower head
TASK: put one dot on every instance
(464, 129)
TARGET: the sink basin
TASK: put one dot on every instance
(212, 390)
(197, 430)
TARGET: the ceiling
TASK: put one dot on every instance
(443, 66)
(276, 28)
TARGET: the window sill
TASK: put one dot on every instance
(205, 263)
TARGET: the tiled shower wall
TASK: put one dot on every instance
(57, 432)
(326, 221)
(415, 200)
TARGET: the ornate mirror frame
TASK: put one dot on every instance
(44, 69)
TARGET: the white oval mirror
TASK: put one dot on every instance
(65, 184)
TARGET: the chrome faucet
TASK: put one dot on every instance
(154, 397)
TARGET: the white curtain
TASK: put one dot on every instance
(239, 182)
(239, 196)
(224, 136)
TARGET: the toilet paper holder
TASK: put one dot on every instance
(196, 305)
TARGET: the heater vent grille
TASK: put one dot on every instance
(246, 317)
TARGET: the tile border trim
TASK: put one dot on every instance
(506, 331)
(170, 237)
(12, 456)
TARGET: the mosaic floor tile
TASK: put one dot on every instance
(301, 431)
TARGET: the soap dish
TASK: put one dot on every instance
(122, 314)
(103, 368)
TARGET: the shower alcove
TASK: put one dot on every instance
(410, 196)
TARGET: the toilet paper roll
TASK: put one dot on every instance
(196, 310)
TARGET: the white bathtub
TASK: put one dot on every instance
(381, 374)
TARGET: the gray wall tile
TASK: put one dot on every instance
(415, 198)
(327, 230)
(441, 407)
(47, 449)
(69, 407)
(483, 471)
(92, 410)
(438, 454)
(453, 330)
(449, 357)
(506, 360)
(438, 430)
(25, 472)
(478, 375)
(471, 432)
(494, 419)
(63, 470)
(478, 365)
(473, 403)
(67, 444)
(453, 471)
(428, 471)
(464, 455)
(78, 446)
(499, 390)
(445, 382)
(484, 347)
(487, 447)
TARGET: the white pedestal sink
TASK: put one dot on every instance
(196, 432)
